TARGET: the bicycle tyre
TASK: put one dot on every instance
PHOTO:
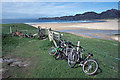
(63, 56)
(91, 66)
(72, 59)
(52, 51)
(57, 56)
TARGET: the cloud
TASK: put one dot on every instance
(60, 0)
(38, 8)
(50, 9)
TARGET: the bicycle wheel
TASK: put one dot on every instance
(90, 66)
(57, 56)
(72, 59)
(52, 51)
(62, 56)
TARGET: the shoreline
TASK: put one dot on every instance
(107, 25)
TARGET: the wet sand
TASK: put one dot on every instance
(107, 25)
(106, 37)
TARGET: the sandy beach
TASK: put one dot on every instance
(107, 25)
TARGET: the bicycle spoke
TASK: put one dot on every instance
(90, 67)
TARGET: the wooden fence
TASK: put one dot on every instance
(54, 36)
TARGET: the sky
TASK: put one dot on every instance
(60, 0)
(16, 10)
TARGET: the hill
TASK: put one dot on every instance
(109, 14)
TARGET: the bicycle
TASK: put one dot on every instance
(58, 51)
(64, 49)
(89, 66)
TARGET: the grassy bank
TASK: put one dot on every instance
(117, 34)
(42, 65)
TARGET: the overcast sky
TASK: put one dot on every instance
(51, 9)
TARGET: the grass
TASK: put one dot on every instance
(42, 65)
(117, 34)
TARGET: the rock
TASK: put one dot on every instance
(3, 70)
(9, 60)
(16, 63)
(24, 64)
(20, 63)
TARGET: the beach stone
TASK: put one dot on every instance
(9, 60)
(20, 63)
(24, 64)
(16, 63)
(3, 70)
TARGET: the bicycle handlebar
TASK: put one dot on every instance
(74, 45)
(69, 43)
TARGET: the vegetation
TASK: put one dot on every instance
(42, 65)
(117, 34)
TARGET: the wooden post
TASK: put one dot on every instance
(49, 34)
(59, 36)
(78, 46)
(39, 31)
(10, 30)
(52, 37)
(55, 43)
(45, 30)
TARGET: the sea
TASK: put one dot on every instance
(36, 21)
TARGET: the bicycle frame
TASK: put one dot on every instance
(67, 50)
(89, 55)
(80, 55)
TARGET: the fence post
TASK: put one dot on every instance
(55, 43)
(78, 46)
(10, 30)
(49, 33)
(45, 30)
(59, 36)
(39, 31)
(52, 37)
